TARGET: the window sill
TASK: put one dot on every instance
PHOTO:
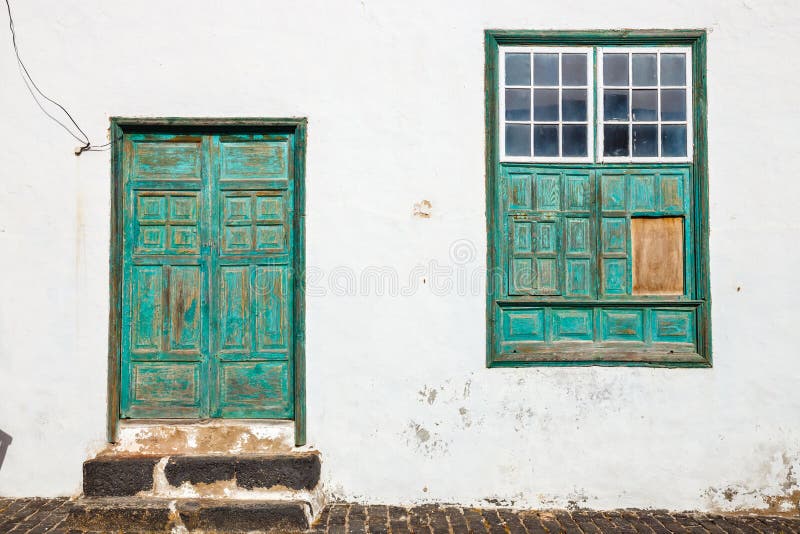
(589, 353)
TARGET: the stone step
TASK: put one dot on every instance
(128, 475)
(298, 471)
(132, 514)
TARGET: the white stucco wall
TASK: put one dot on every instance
(399, 400)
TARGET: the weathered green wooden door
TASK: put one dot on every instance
(207, 276)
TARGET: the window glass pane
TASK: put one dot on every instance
(645, 140)
(573, 104)
(573, 137)
(615, 141)
(615, 104)
(673, 140)
(673, 69)
(545, 69)
(673, 104)
(573, 69)
(644, 69)
(545, 104)
(545, 140)
(518, 69)
(518, 140)
(615, 69)
(644, 104)
(518, 104)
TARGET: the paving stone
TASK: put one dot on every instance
(457, 520)
(639, 526)
(4, 504)
(554, 526)
(322, 521)
(746, 525)
(669, 523)
(357, 512)
(533, 523)
(18, 511)
(418, 520)
(654, 524)
(337, 514)
(378, 519)
(398, 520)
(604, 524)
(567, 522)
(475, 521)
(584, 521)
(357, 519)
(710, 525)
(47, 516)
(493, 520)
(633, 523)
(512, 521)
(437, 520)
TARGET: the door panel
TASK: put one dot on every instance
(207, 284)
(167, 157)
(253, 158)
(147, 313)
(184, 325)
(271, 308)
(254, 199)
(253, 389)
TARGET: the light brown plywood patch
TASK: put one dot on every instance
(657, 255)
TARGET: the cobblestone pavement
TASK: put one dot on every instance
(37, 516)
(353, 518)
(31, 515)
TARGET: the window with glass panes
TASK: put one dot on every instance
(597, 198)
(644, 98)
(546, 103)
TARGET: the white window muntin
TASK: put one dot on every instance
(601, 86)
(589, 88)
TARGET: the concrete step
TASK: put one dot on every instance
(199, 476)
(132, 514)
(215, 436)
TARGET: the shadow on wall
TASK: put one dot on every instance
(5, 441)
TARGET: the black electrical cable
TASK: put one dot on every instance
(31, 85)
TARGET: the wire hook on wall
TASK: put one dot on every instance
(76, 132)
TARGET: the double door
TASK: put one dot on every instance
(207, 276)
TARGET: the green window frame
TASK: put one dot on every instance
(597, 260)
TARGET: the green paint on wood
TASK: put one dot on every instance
(207, 309)
(560, 288)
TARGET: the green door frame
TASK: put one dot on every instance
(123, 125)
